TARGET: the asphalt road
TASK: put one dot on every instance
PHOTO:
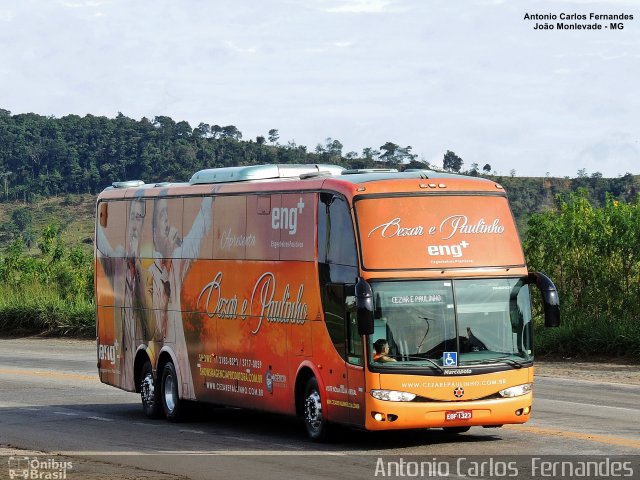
(52, 404)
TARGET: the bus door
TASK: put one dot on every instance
(355, 361)
(345, 382)
(334, 369)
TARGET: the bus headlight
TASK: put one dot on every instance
(392, 395)
(516, 391)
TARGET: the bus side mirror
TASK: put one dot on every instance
(364, 307)
(550, 298)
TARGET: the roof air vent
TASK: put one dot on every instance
(260, 172)
(128, 184)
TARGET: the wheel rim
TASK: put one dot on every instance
(169, 396)
(147, 390)
(313, 411)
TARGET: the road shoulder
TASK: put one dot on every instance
(607, 371)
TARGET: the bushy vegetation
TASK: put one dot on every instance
(51, 292)
(593, 255)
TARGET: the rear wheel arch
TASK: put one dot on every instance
(140, 360)
(167, 355)
(305, 372)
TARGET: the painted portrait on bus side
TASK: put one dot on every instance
(174, 249)
(129, 281)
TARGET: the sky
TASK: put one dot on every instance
(472, 76)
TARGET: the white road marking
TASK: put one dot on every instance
(102, 419)
(635, 410)
(226, 453)
(69, 414)
(241, 439)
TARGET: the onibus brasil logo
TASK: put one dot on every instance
(36, 468)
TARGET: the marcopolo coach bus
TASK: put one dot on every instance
(370, 298)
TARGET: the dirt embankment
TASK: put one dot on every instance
(595, 370)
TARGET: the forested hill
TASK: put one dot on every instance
(73, 155)
(46, 156)
(529, 195)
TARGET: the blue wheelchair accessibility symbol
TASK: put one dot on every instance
(450, 359)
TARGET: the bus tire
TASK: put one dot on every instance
(150, 392)
(317, 426)
(455, 430)
(171, 404)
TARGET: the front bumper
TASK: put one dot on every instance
(407, 415)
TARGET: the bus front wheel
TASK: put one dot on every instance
(149, 392)
(314, 420)
(172, 405)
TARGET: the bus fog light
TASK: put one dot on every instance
(516, 391)
(378, 416)
(518, 412)
(392, 395)
(527, 411)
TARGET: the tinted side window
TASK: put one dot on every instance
(334, 316)
(336, 240)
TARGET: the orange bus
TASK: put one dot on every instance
(377, 299)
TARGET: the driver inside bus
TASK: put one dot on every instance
(382, 351)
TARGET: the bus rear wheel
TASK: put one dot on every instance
(149, 392)
(317, 426)
(172, 405)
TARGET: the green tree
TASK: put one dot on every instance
(331, 151)
(452, 162)
(22, 218)
(203, 130)
(273, 136)
(370, 154)
(388, 152)
(593, 255)
(395, 154)
(231, 131)
(421, 165)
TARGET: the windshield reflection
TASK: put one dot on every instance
(476, 320)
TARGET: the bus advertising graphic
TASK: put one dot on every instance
(339, 296)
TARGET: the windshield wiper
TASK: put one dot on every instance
(428, 360)
(504, 359)
(513, 363)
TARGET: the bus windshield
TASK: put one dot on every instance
(449, 323)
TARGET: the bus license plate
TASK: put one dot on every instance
(453, 415)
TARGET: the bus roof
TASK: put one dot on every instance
(263, 178)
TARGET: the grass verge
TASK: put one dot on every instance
(580, 336)
(37, 310)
